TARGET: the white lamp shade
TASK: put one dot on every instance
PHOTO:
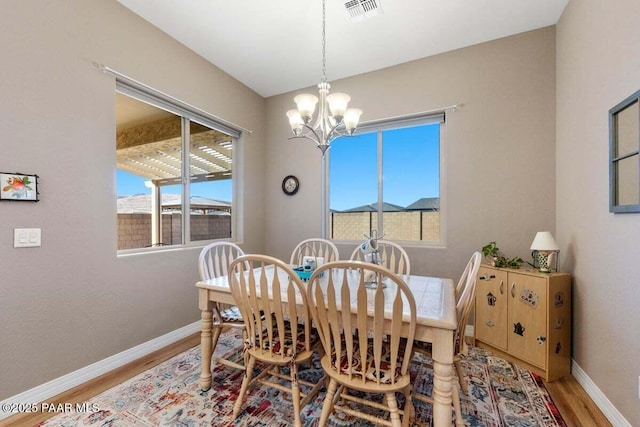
(338, 104)
(351, 118)
(295, 120)
(306, 105)
(544, 241)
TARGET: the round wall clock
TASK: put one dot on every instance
(290, 185)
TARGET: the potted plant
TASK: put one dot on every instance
(492, 254)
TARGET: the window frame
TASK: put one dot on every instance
(187, 114)
(379, 126)
(615, 158)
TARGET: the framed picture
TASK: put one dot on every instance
(18, 187)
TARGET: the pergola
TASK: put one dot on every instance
(154, 151)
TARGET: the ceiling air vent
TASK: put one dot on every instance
(361, 9)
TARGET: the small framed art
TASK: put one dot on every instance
(18, 187)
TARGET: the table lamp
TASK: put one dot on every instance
(545, 251)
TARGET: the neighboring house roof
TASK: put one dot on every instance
(141, 203)
(373, 207)
(425, 204)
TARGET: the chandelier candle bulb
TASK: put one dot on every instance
(338, 104)
(306, 105)
(295, 120)
(351, 119)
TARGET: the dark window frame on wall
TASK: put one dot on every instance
(624, 155)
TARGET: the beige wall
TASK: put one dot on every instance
(499, 148)
(72, 302)
(598, 65)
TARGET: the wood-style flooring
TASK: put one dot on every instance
(577, 409)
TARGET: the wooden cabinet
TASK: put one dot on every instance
(525, 316)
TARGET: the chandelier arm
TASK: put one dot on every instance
(318, 138)
(305, 136)
(334, 132)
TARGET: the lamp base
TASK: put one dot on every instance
(545, 260)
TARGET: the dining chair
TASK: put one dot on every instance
(393, 256)
(360, 331)
(273, 302)
(315, 247)
(465, 293)
(214, 262)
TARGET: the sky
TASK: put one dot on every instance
(410, 170)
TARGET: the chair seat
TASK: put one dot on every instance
(231, 315)
(276, 345)
(367, 369)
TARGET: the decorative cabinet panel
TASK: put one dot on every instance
(525, 316)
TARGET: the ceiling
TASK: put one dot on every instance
(275, 46)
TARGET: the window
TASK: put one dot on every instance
(388, 177)
(170, 159)
(624, 155)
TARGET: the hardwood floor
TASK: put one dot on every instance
(576, 407)
(85, 391)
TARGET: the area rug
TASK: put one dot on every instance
(500, 394)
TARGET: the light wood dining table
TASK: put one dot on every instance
(436, 323)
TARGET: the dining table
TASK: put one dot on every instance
(435, 323)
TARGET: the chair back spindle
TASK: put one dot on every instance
(317, 248)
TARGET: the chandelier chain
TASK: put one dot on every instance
(324, 43)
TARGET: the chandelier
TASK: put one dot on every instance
(334, 118)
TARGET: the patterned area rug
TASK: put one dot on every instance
(500, 394)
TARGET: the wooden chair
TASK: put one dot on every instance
(363, 347)
(393, 256)
(465, 292)
(214, 262)
(273, 302)
(316, 247)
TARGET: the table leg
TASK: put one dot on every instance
(442, 377)
(205, 349)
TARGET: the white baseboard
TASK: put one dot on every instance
(82, 375)
(601, 401)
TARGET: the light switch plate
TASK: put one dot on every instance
(26, 237)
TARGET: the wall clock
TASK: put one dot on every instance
(290, 185)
